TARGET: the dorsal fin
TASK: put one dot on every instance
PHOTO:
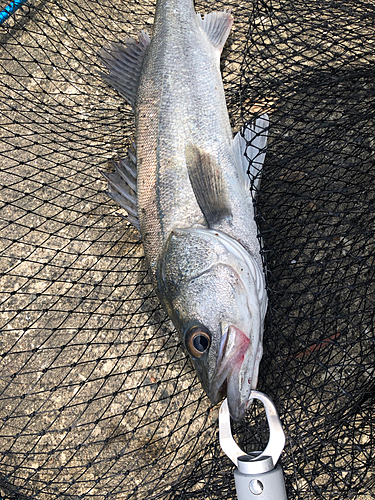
(217, 26)
(124, 63)
(208, 184)
(122, 186)
(251, 146)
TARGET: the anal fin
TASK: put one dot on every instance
(124, 63)
(217, 26)
(122, 186)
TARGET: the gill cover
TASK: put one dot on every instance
(214, 292)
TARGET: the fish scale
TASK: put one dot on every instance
(184, 71)
(194, 202)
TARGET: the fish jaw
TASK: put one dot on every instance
(206, 278)
(234, 373)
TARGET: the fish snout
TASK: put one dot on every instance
(229, 379)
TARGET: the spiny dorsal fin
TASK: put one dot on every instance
(208, 184)
(253, 143)
(122, 186)
(217, 26)
(124, 63)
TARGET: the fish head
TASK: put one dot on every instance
(214, 292)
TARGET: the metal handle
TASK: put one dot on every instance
(256, 476)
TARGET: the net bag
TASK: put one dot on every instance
(97, 396)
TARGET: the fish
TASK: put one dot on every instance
(186, 188)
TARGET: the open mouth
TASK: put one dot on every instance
(222, 391)
(227, 380)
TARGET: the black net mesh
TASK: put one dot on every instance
(97, 397)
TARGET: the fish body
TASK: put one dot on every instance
(188, 192)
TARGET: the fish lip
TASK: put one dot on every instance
(221, 392)
(227, 379)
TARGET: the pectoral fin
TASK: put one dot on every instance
(208, 184)
(251, 145)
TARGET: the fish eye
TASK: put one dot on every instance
(197, 340)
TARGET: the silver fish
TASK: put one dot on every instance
(187, 190)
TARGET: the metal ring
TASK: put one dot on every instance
(275, 446)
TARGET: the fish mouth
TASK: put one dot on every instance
(230, 379)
